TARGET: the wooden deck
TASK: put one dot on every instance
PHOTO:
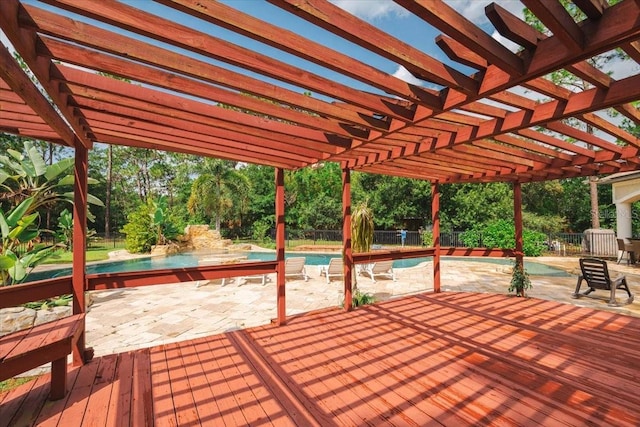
(432, 359)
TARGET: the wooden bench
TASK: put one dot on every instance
(49, 342)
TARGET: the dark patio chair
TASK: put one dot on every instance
(624, 245)
(596, 274)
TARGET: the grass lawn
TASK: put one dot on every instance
(97, 252)
(12, 383)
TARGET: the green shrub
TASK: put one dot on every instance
(427, 238)
(501, 234)
(140, 233)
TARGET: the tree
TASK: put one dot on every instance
(217, 189)
(567, 79)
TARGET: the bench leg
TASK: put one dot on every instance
(58, 378)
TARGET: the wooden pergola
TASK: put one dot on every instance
(181, 89)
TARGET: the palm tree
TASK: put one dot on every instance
(215, 192)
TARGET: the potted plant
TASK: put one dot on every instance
(520, 280)
(362, 240)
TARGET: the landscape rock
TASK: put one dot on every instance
(15, 319)
(201, 237)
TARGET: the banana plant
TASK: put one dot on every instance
(28, 175)
(20, 229)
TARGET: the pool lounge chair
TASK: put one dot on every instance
(596, 274)
(381, 268)
(294, 267)
(334, 269)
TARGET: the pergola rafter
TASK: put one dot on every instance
(196, 92)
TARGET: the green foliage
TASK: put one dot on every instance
(520, 281)
(19, 230)
(501, 234)
(23, 176)
(148, 225)
(359, 299)
(362, 228)
(427, 238)
(548, 224)
(261, 231)
(220, 192)
(140, 235)
(463, 206)
(161, 222)
(65, 229)
(61, 301)
(394, 199)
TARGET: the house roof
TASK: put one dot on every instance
(181, 88)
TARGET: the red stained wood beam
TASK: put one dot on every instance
(620, 92)
(290, 42)
(280, 248)
(608, 127)
(115, 44)
(19, 82)
(556, 18)
(177, 275)
(435, 220)
(583, 136)
(347, 244)
(143, 23)
(140, 73)
(389, 255)
(16, 295)
(87, 85)
(25, 42)
(592, 8)
(450, 22)
(199, 135)
(336, 20)
(512, 27)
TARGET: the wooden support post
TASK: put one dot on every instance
(80, 191)
(346, 238)
(435, 217)
(280, 282)
(517, 218)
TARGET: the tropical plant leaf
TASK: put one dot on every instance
(94, 200)
(39, 166)
(16, 167)
(4, 227)
(66, 180)
(58, 168)
(17, 272)
(6, 262)
(19, 211)
(3, 176)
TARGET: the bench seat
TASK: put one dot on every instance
(27, 349)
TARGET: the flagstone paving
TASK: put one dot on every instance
(126, 319)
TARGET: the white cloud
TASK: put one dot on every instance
(513, 47)
(371, 10)
(404, 74)
(473, 10)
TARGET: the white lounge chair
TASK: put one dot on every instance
(294, 267)
(334, 269)
(381, 268)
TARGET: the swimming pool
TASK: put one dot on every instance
(186, 260)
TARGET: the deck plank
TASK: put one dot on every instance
(451, 359)
(100, 396)
(119, 409)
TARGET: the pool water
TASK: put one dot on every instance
(186, 260)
